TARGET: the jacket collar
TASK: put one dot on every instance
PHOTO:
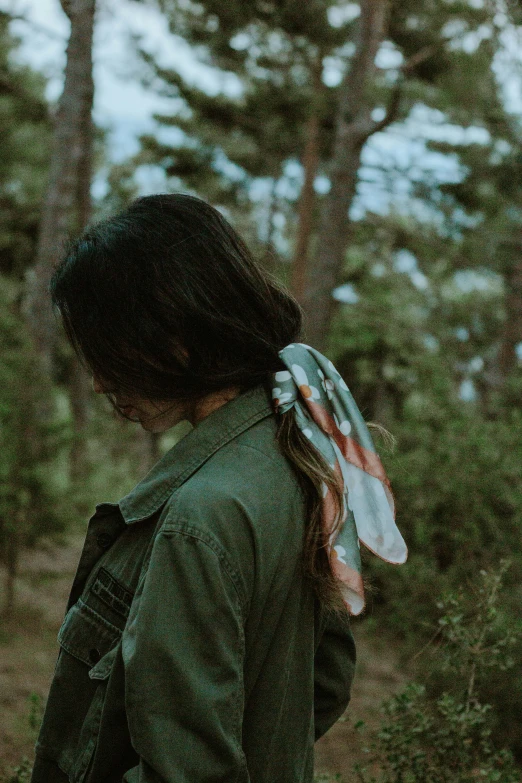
(195, 448)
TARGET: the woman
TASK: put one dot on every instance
(207, 635)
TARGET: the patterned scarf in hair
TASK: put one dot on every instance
(328, 415)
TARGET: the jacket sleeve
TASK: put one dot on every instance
(183, 652)
(334, 669)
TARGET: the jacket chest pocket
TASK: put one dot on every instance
(92, 644)
(94, 624)
(86, 635)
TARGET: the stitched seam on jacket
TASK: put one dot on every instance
(189, 531)
(299, 490)
(259, 451)
(40, 751)
(95, 616)
(148, 552)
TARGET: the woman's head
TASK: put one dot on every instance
(165, 302)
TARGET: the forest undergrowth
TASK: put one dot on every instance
(416, 719)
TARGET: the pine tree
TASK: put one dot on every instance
(286, 112)
(25, 131)
(283, 111)
(66, 211)
(65, 203)
(30, 502)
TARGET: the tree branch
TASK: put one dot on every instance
(419, 57)
(66, 7)
(395, 100)
(392, 110)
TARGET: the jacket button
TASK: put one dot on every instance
(94, 655)
(104, 540)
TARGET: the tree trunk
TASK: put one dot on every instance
(85, 164)
(512, 331)
(502, 361)
(11, 562)
(307, 199)
(353, 127)
(79, 386)
(79, 389)
(61, 208)
(66, 211)
(269, 251)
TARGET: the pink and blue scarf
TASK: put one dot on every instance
(328, 415)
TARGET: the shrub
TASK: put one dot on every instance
(446, 737)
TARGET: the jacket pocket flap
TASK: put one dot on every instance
(87, 635)
(104, 666)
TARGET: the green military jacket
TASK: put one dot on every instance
(193, 649)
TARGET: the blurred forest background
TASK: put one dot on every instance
(371, 155)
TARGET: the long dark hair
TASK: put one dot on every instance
(170, 273)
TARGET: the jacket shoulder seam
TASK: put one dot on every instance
(184, 528)
(259, 451)
(298, 488)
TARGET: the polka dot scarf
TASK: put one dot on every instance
(328, 415)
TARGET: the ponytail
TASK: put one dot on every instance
(313, 472)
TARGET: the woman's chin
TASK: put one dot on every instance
(129, 412)
(154, 427)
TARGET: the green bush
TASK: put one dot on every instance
(457, 485)
(31, 504)
(19, 774)
(441, 731)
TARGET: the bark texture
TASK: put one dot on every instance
(512, 332)
(66, 212)
(503, 360)
(79, 391)
(307, 200)
(65, 205)
(79, 385)
(352, 128)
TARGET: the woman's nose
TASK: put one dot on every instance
(96, 385)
